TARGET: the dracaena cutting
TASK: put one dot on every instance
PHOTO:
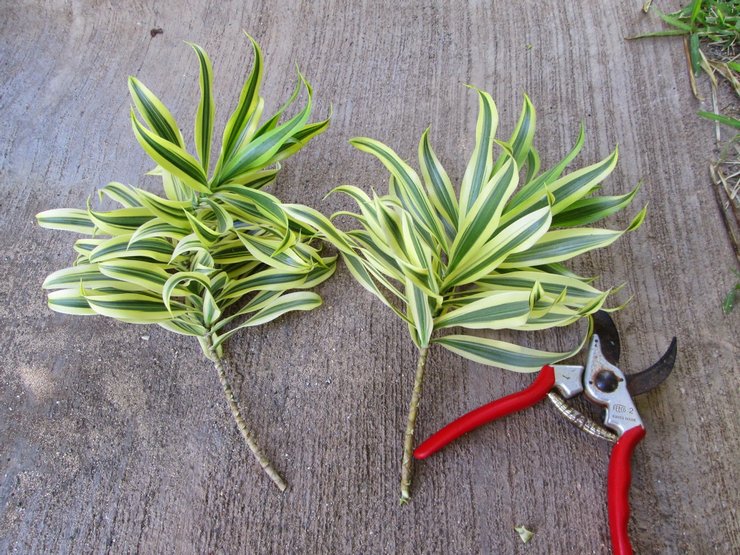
(488, 258)
(215, 254)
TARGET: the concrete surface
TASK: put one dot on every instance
(113, 443)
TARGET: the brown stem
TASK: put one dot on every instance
(241, 424)
(408, 439)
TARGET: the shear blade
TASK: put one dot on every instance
(606, 329)
(649, 379)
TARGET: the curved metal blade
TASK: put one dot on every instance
(605, 328)
(644, 381)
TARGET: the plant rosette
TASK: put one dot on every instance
(214, 254)
(488, 258)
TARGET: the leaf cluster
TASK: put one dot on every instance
(489, 257)
(183, 260)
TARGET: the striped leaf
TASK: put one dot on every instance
(70, 301)
(74, 276)
(273, 121)
(134, 308)
(122, 194)
(84, 247)
(271, 253)
(67, 219)
(121, 221)
(576, 290)
(252, 180)
(184, 327)
(259, 152)
(315, 221)
(589, 210)
(358, 270)
(147, 275)
(230, 252)
(171, 157)
(534, 191)
(578, 184)
(173, 285)
(248, 100)
(438, 184)
(481, 221)
(86, 276)
(224, 221)
(300, 139)
(412, 194)
(250, 203)
(563, 244)
(516, 237)
(420, 314)
(270, 279)
(173, 187)
(188, 244)
(205, 234)
(155, 114)
(505, 355)
(158, 228)
(211, 311)
(500, 310)
(206, 109)
(285, 303)
(533, 164)
(152, 248)
(257, 302)
(481, 162)
(171, 211)
(521, 139)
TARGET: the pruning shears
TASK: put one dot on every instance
(602, 383)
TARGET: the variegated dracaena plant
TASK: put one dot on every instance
(186, 260)
(488, 258)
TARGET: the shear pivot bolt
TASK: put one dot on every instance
(606, 381)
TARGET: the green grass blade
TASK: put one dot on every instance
(725, 120)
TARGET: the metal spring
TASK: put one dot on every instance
(580, 420)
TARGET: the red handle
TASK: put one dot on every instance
(620, 477)
(515, 402)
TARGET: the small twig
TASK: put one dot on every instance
(241, 424)
(408, 440)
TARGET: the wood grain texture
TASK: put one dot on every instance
(110, 443)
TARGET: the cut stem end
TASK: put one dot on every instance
(408, 440)
(241, 424)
